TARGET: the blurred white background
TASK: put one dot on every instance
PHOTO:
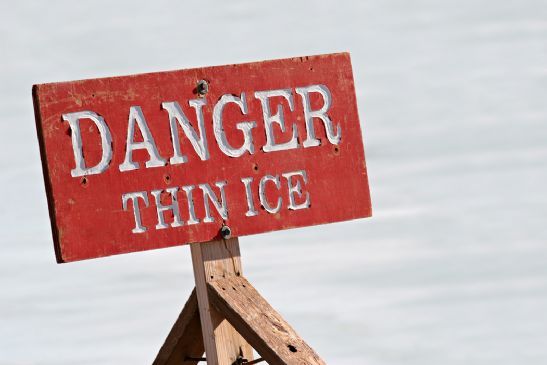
(452, 268)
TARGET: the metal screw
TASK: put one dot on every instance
(226, 232)
(202, 87)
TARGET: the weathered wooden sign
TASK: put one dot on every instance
(147, 161)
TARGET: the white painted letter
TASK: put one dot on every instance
(309, 114)
(177, 115)
(189, 197)
(209, 195)
(249, 193)
(262, 193)
(297, 189)
(136, 115)
(173, 207)
(139, 228)
(278, 118)
(73, 120)
(245, 127)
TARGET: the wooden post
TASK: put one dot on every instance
(233, 317)
(213, 261)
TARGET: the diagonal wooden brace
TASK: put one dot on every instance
(185, 339)
(225, 316)
(263, 328)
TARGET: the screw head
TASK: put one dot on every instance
(226, 232)
(202, 87)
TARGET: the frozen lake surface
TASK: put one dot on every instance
(452, 268)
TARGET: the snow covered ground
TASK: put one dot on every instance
(452, 269)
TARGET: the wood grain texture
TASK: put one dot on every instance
(213, 261)
(83, 208)
(251, 315)
(185, 338)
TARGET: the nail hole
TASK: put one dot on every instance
(84, 181)
(255, 167)
(167, 178)
(336, 150)
(292, 348)
(202, 87)
(233, 287)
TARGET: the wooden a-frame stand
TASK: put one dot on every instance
(226, 318)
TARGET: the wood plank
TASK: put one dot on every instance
(251, 315)
(217, 260)
(185, 339)
(97, 171)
